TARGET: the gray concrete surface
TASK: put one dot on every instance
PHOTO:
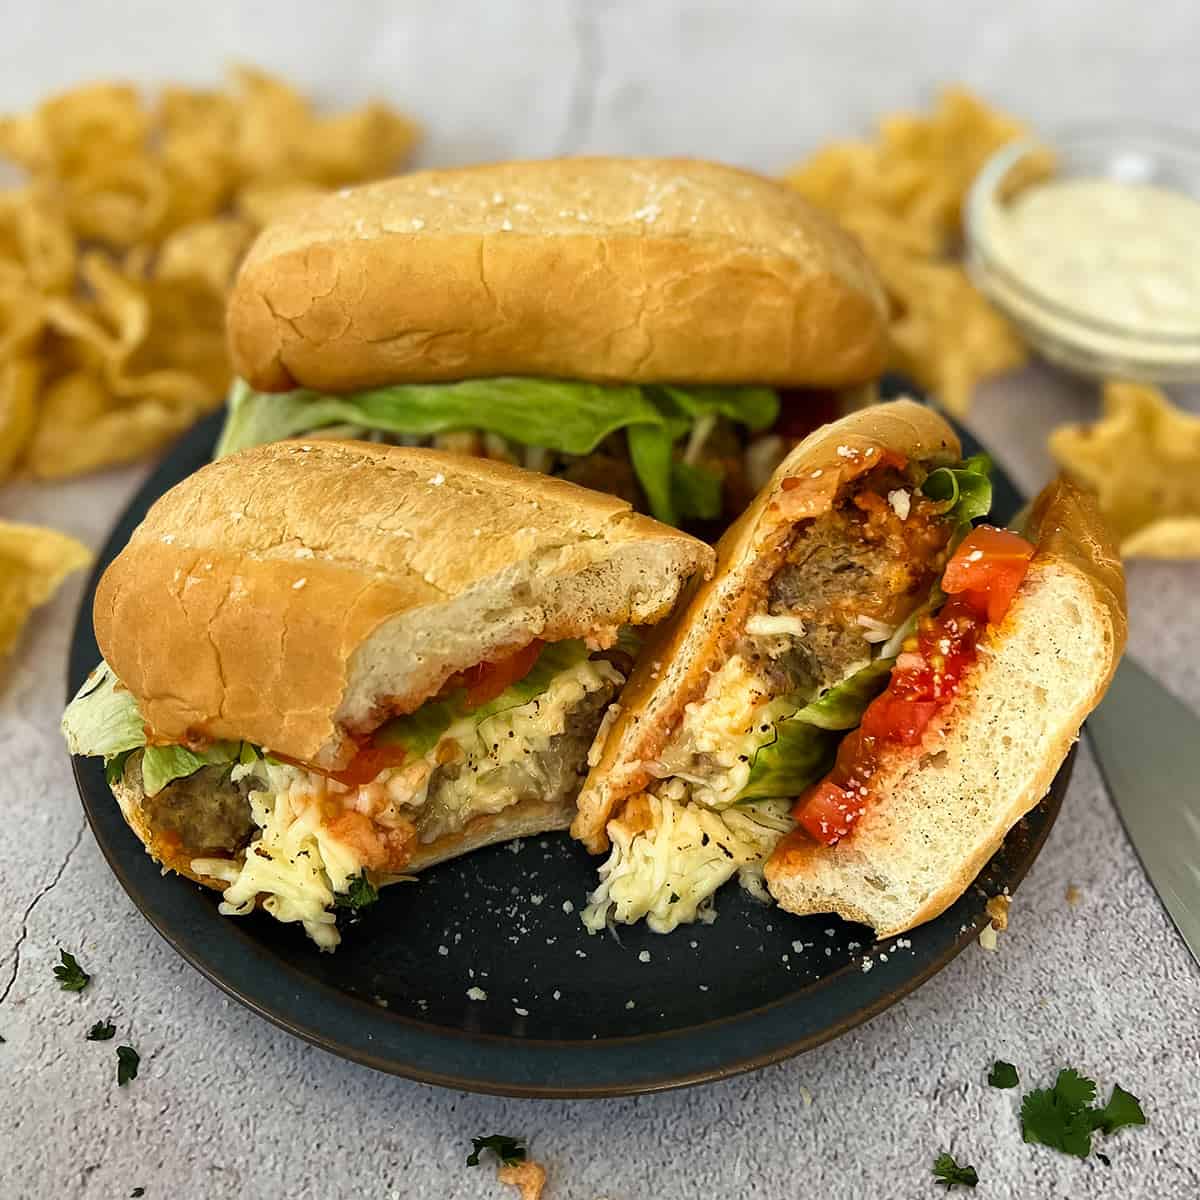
(225, 1105)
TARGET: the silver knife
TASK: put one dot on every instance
(1147, 743)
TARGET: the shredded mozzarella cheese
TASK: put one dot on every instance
(669, 873)
(297, 866)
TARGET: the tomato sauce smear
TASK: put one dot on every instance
(981, 579)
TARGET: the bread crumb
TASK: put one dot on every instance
(806, 1096)
(568, 907)
(997, 908)
(1074, 895)
(529, 1177)
(644, 956)
(476, 993)
(987, 937)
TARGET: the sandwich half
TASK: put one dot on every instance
(329, 665)
(656, 328)
(864, 698)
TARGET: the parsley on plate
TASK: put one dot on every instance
(128, 1060)
(70, 975)
(509, 1151)
(949, 1174)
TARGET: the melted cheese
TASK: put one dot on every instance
(721, 733)
(296, 866)
(669, 872)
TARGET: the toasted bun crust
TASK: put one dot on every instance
(524, 819)
(295, 593)
(945, 806)
(607, 269)
(674, 666)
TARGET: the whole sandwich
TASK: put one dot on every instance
(656, 328)
(329, 665)
(867, 694)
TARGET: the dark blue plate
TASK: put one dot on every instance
(565, 1014)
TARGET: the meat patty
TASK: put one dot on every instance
(859, 560)
(206, 811)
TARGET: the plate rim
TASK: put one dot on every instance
(599, 1056)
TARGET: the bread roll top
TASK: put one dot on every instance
(295, 594)
(604, 269)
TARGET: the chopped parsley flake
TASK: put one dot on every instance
(70, 975)
(102, 1031)
(1003, 1075)
(128, 1061)
(948, 1173)
(359, 893)
(1063, 1117)
(510, 1151)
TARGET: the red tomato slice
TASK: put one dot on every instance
(893, 718)
(367, 763)
(988, 567)
(486, 681)
(826, 812)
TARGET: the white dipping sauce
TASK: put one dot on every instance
(1124, 253)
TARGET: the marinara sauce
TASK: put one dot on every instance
(980, 579)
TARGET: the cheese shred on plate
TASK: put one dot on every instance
(668, 870)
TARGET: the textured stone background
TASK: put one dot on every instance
(225, 1104)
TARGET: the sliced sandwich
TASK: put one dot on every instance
(329, 665)
(866, 696)
(663, 329)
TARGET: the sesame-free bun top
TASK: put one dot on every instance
(295, 594)
(603, 269)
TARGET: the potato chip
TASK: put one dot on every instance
(20, 379)
(33, 562)
(108, 353)
(207, 252)
(118, 202)
(902, 195)
(22, 318)
(1142, 458)
(1170, 537)
(80, 430)
(262, 203)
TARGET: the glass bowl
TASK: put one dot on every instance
(1075, 340)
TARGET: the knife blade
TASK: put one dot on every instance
(1147, 743)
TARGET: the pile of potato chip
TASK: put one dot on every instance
(117, 250)
(902, 195)
(1142, 459)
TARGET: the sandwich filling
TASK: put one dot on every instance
(685, 455)
(304, 843)
(842, 613)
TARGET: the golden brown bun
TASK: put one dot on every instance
(943, 808)
(297, 591)
(605, 269)
(674, 666)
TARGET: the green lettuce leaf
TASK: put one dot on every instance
(695, 492)
(162, 765)
(418, 732)
(564, 416)
(965, 491)
(806, 743)
(103, 719)
(572, 418)
(756, 408)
